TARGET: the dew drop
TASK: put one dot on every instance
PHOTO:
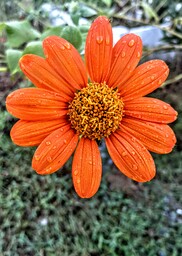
(131, 43)
(65, 141)
(78, 181)
(99, 39)
(57, 136)
(75, 172)
(135, 167)
(54, 147)
(62, 47)
(165, 107)
(49, 169)
(152, 77)
(123, 54)
(37, 157)
(124, 153)
(22, 93)
(107, 40)
(160, 81)
(133, 152)
(48, 143)
(167, 135)
(49, 159)
(61, 129)
(67, 45)
(90, 162)
(138, 55)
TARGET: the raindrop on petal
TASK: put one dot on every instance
(123, 54)
(49, 159)
(48, 143)
(135, 167)
(124, 153)
(131, 43)
(99, 39)
(67, 45)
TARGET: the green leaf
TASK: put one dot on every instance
(149, 11)
(107, 2)
(19, 32)
(86, 11)
(56, 31)
(34, 47)
(2, 26)
(73, 35)
(12, 57)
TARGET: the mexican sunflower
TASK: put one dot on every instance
(75, 105)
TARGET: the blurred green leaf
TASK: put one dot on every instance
(2, 26)
(149, 11)
(107, 2)
(87, 11)
(73, 35)
(19, 32)
(56, 31)
(34, 47)
(12, 57)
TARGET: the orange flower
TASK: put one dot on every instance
(67, 111)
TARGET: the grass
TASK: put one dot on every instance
(42, 215)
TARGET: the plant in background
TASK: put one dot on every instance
(68, 112)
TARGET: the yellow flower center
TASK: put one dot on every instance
(96, 111)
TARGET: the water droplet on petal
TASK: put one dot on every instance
(160, 81)
(78, 181)
(167, 135)
(65, 141)
(75, 172)
(48, 169)
(133, 152)
(61, 129)
(135, 167)
(152, 77)
(90, 162)
(67, 45)
(22, 93)
(107, 40)
(99, 39)
(49, 159)
(138, 55)
(123, 54)
(48, 143)
(37, 157)
(54, 147)
(62, 47)
(165, 107)
(124, 153)
(131, 43)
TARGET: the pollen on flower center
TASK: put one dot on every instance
(96, 111)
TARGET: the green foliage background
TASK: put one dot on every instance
(42, 215)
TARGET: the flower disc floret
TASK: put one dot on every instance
(96, 111)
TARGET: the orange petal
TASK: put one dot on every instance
(43, 75)
(130, 156)
(158, 138)
(145, 79)
(66, 61)
(55, 150)
(98, 49)
(87, 168)
(36, 104)
(150, 109)
(125, 57)
(28, 133)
